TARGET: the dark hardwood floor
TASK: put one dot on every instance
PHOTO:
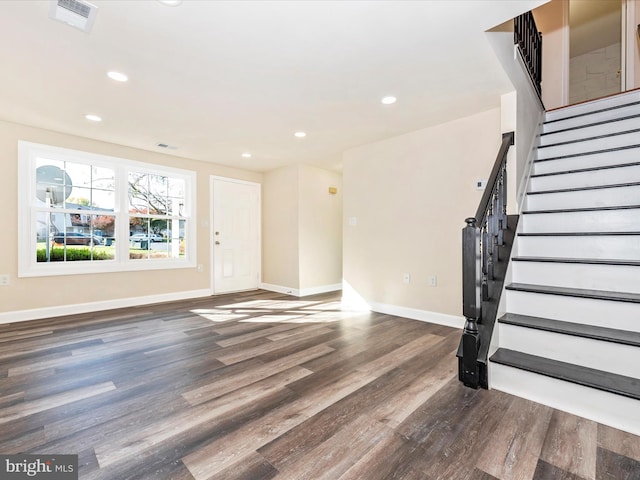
(260, 385)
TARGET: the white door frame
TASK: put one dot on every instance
(212, 179)
(629, 44)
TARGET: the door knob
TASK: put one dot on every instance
(217, 243)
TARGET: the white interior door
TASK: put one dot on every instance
(235, 235)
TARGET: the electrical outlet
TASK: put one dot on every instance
(433, 281)
(200, 267)
(4, 280)
(406, 278)
(481, 184)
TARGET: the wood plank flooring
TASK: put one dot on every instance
(260, 385)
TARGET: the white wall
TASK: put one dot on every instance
(35, 297)
(410, 196)
(280, 255)
(320, 228)
(302, 230)
(595, 74)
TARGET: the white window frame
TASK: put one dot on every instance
(28, 266)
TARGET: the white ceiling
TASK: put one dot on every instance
(219, 78)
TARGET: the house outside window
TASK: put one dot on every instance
(83, 213)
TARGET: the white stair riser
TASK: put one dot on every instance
(603, 313)
(588, 146)
(617, 157)
(604, 197)
(618, 100)
(618, 278)
(602, 407)
(592, 131)
(573, 122)
(622, 247)
(587, 352)
(594, 178)
(590, 221)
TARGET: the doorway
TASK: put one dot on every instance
(235, 235)
(596, 48)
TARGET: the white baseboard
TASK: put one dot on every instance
(60, 310)
(303, 292)
(280, 289)
(416, 314)
(320, 289)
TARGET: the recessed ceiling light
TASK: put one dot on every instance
(170, 3)
(300, 134)
(389, 100)
(246, 155)
(93, 118)
(117, 76)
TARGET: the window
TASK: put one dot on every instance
(82, 213)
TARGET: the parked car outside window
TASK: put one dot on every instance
(74, 238)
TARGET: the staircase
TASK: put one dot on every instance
(571, 335)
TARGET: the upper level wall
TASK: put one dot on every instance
(553, 21)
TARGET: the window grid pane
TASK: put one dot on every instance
(79, 210)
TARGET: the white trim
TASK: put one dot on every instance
(58, 311)
(519, 58)
(320, 289)
(301, 292)
(416, 314)
(528, 167)
(212, 179)
(280, 289)
(565, 52)
(629, 36)
(28, 152)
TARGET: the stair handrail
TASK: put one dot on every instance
(480, 239)
(529, 40)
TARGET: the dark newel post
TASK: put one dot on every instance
(471, 279)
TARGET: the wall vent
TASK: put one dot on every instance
(77, 13)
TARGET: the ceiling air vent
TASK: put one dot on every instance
(77, 13)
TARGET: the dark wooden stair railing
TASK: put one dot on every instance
(529, 42)
(486, 246)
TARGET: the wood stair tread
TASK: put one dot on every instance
(571, 328)
(582, 189)
(576, 292)
(586, 261)
(585, 376)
